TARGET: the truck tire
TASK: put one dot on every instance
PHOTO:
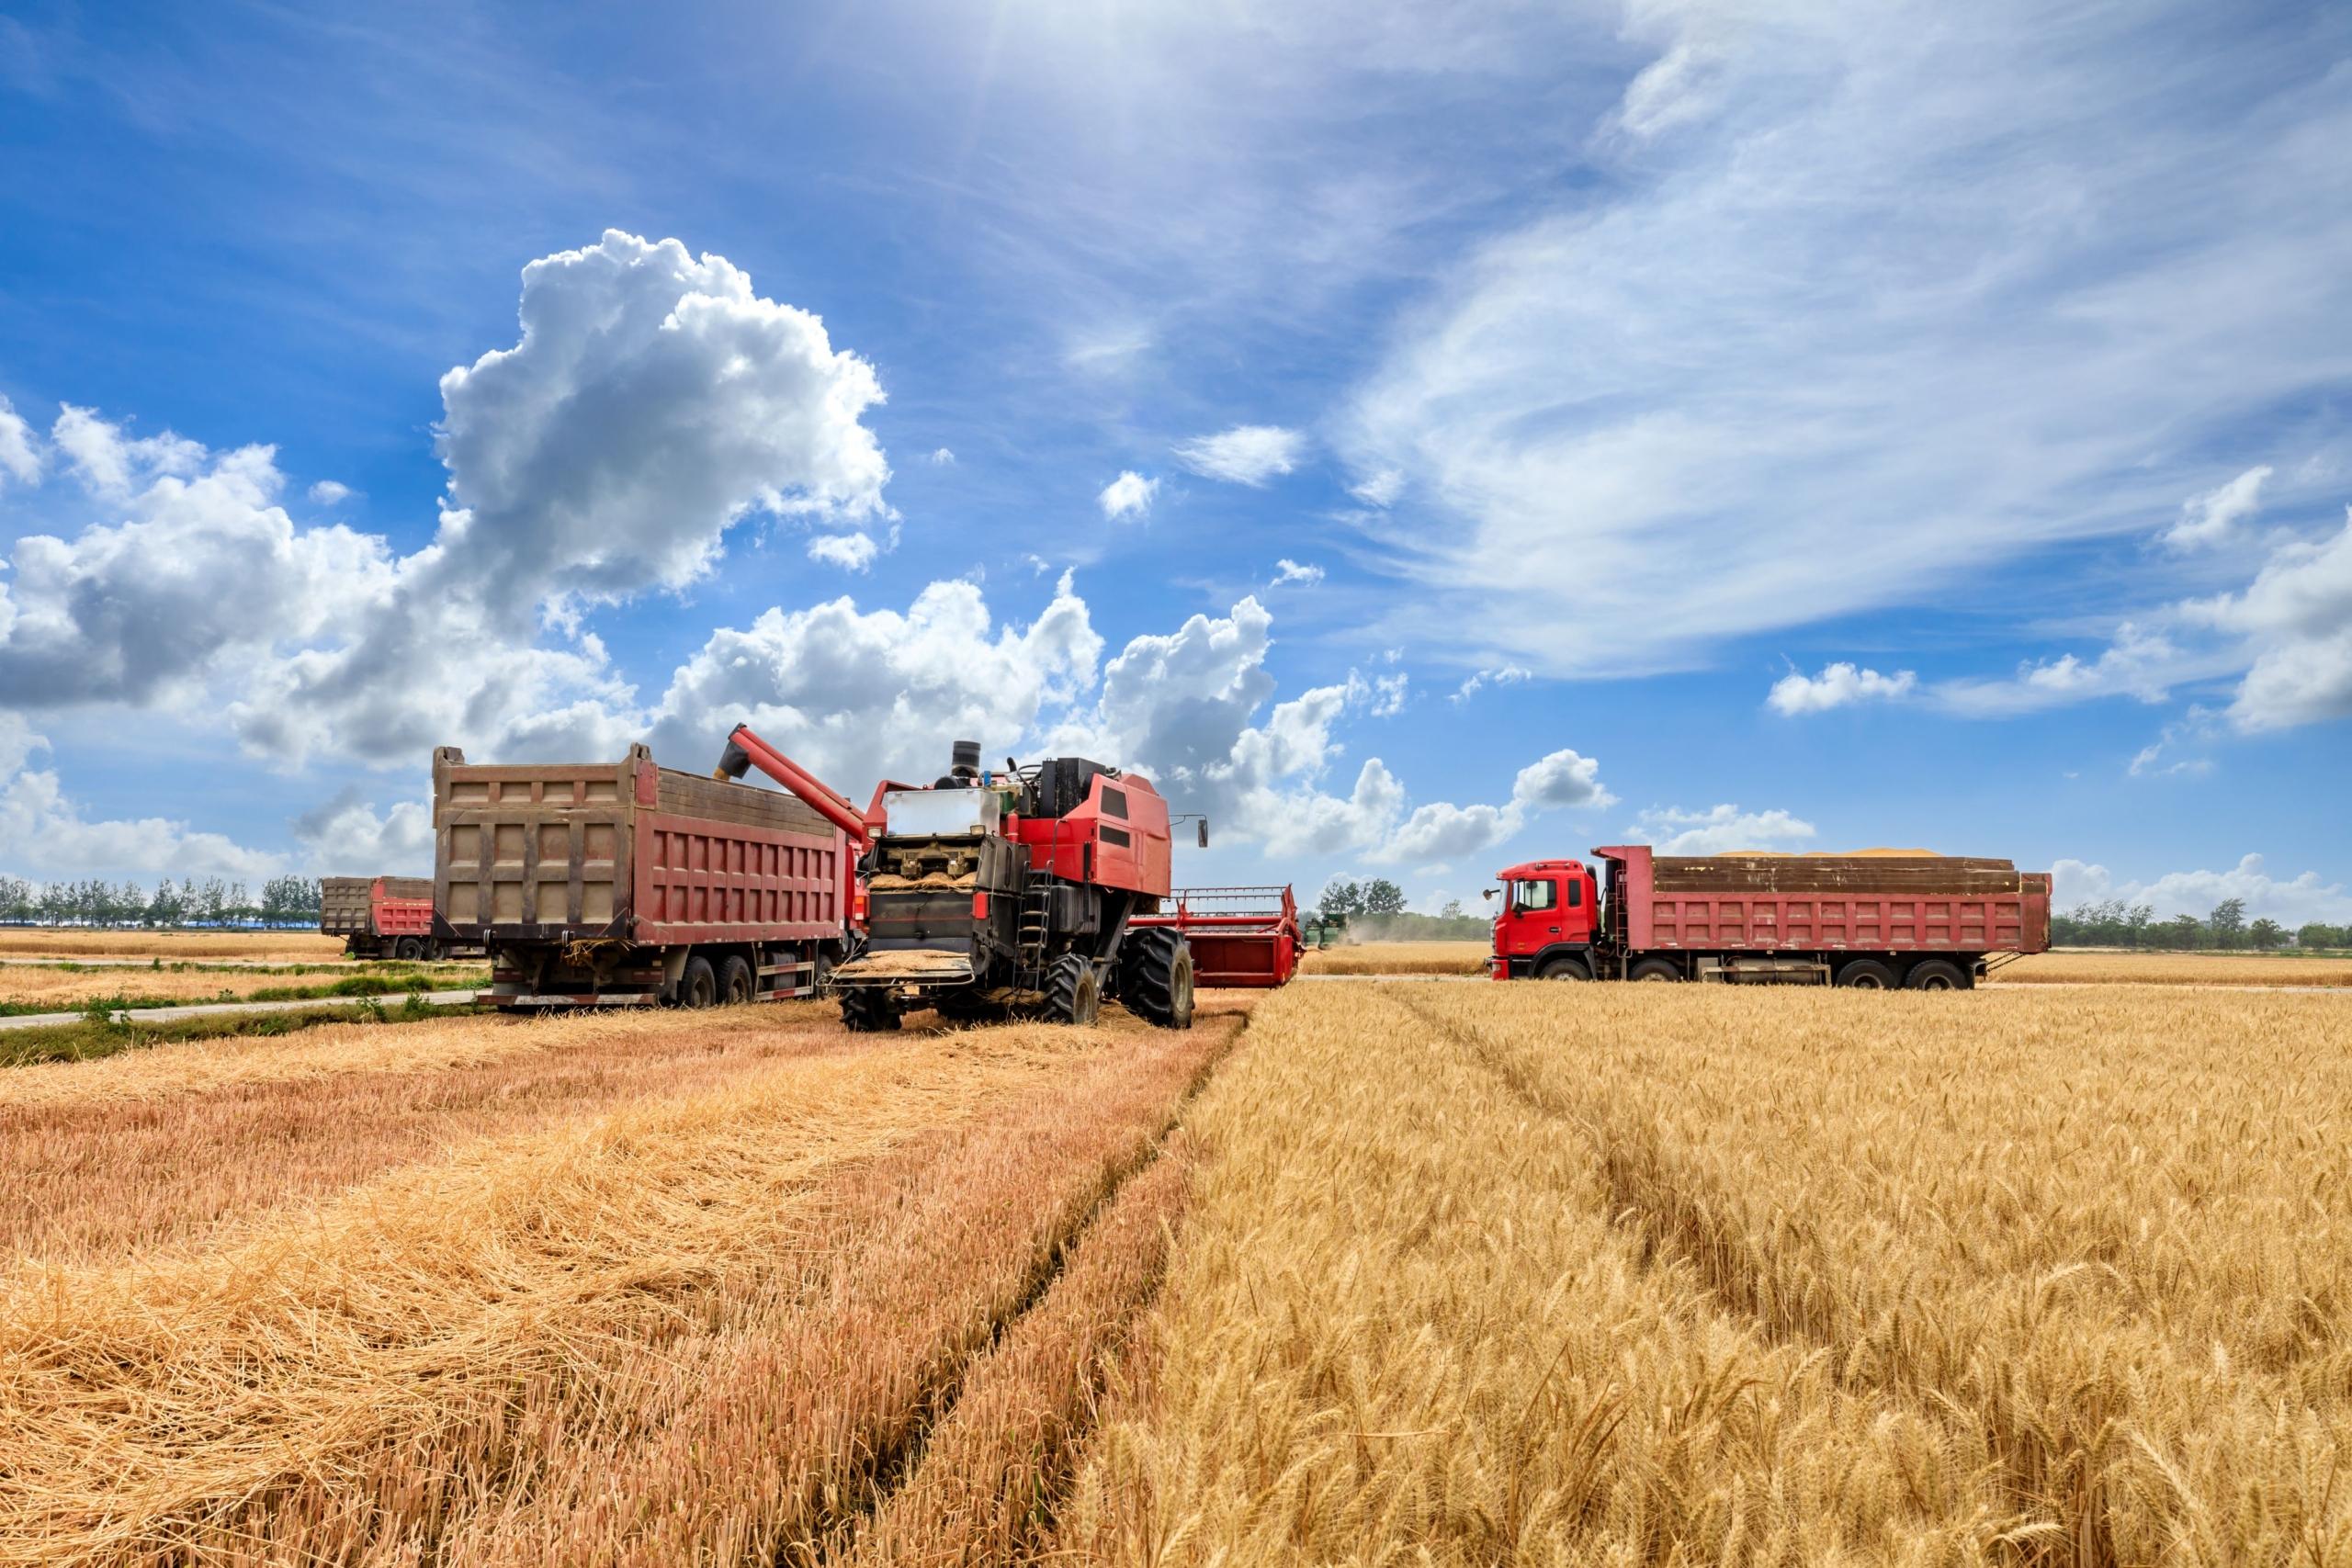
(698, 987)
(1657, 969)
(1866, 975)
(1564, 969)
(736, 982)
(868, 1009)
(1935, 974)
(1156, 978)
(409, 949)
(1073, 993)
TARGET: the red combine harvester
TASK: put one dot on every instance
(990, 894)
(1242, 938)
(1872, 922)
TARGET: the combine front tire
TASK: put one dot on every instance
(1156, 978)
(868, 1009)
(1073, 993)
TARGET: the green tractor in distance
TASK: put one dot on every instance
(1319, 931)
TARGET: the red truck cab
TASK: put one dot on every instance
(1550, 910)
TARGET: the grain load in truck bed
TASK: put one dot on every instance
(1955, 874)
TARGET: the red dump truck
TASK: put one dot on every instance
(1874, 922)
(627, 884)
(383, 917)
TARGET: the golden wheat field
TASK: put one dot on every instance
(2176, 969)
(1545, 1274)
(1391, 1272)
(265, 947)
(1397, 958)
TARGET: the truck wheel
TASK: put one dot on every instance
(867, 1009)
(1935, 974)
(1156, 978)
(410, 949)
(1564, 969)
(698, 987)
(1073, 995)
(735, 981)
(1657, 969)
(1866, 975)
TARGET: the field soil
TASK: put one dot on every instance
(269, 947)
(1636, 1275)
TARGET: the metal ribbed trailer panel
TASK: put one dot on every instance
(587, 878)
(1760, 904)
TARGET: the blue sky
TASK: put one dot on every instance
(1796, 426)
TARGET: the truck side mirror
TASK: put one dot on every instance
(1489, 896)
(1204, 832)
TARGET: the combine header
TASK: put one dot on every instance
(992, 894)
(1244, 938)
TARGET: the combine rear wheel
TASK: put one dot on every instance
(868, 1009)
(1156, 978)
(1073, 993)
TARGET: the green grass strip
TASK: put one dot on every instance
(92, 1037)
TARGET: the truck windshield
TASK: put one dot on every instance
(1533, 895)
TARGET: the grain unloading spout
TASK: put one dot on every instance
(745, 750)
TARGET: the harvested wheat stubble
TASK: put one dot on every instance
(1398, 958)
(1399, 1328)
(167, 1156)
(456, 1360)
(275, 947)
(991, 1470)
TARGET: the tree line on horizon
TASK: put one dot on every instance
(92, 901)
(2116, 924)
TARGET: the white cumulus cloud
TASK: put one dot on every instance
(1835, 686)
(45, 835)
(2213, 517)
(329, 492)
(2290, 901)
(1724, 829)
(1129, 495)
(1288, 570)
(18, 457)
(851, 552)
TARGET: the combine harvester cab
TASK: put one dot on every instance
(1242, 938)
(627, 884)
(990, 894)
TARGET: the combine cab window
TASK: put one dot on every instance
(1114, 802)
(1527, 896)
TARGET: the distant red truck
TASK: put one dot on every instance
(1873, 921)
(384, 917)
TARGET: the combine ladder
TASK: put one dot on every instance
(1029, 956)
